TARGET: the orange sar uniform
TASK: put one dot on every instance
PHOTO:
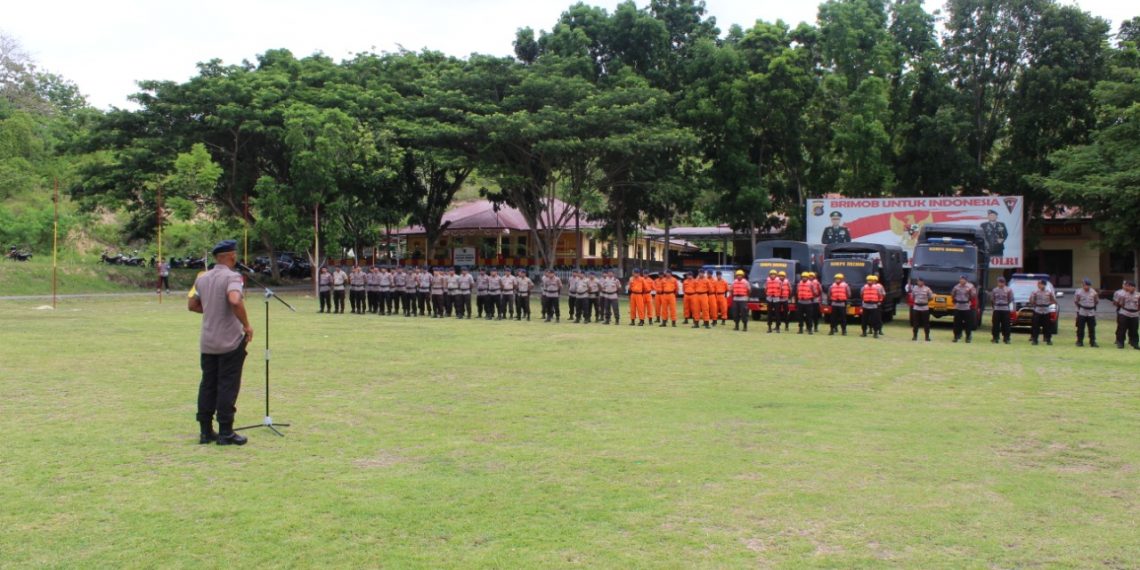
(636, 296)
(650, 288)
(700, 301)
(720, 289)
(687, 300)
(667, 299)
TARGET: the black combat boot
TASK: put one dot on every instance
(208, 435)
(227, 435)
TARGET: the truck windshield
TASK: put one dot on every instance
(952, 257)
(855, 271)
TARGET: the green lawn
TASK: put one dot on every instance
(427, 443)
(82, 276)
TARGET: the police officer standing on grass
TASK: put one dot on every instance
(453, 301)
(324, 290)
(372, 289)
(466, 286)
(920, 297)
(423, 291)
(438, 290)
(740, 290)
(356, 290)
(225, 333)
(1002, 300)
(1086, 299)
(339, 279)
(838, 294)
(400, 291)
(508, 294)
(572, 295)
(964, 295)
(494, 291)
(1127, 301)
(609, 288)
(581, 292)
(551, 290)
(873, 296)
(523, 287)
(384, 284)
(1040, 300)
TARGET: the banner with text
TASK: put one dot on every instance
(897, 221)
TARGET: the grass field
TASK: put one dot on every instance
(426, 443)
(82, 276)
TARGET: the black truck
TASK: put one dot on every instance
(857, 260)
(943, 254)
(809, 256)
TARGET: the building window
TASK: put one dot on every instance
(520, 247)
(639, 251)
(488, 248)
(1121, 262)
(652, 253)
(593, 251)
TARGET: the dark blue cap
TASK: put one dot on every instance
(224, 246)
(963, 276)
(1088, 281)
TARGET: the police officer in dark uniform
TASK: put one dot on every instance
(1001, 298)
(1086, 299)
(995, 233)
(226, 332)
(324, 290)
(836, 232)
(1040, 300)
(963, 294)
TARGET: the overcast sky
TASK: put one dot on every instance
(105, 46)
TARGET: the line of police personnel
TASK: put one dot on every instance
(707, 299)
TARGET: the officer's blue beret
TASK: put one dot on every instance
(963, 276)
(1088, 281)
(637, 270)
(225, 246)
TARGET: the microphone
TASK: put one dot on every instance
(244, 267)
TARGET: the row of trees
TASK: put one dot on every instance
(646, 115)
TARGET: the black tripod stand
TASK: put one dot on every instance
(268, 421)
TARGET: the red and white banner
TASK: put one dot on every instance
(897, 221)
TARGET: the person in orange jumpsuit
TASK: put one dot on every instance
(720, 290)
(667, 299)
(636, 292)
(650, 298)
(687, 300)
(700, 299)
(714, 307)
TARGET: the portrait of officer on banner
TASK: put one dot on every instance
(836, 232)
(995, 233)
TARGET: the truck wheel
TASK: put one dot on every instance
(889, 314)
(757, 315)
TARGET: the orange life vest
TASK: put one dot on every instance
(804, 291)
(785, 288)
(740, 288)
(871, 294)
(838, 292)
(772, 287)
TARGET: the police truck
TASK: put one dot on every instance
(943, 254)
(856, 261)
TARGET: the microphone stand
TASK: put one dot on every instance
(268, 421)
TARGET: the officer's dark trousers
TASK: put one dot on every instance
(384, 302)
(522, 307)
(1082, 323)
(448, 303)
(610, 310)
(357, 301)
(549, 307)
(501, 303)
(1041, 326)
(437, 302)
(572, 304)
(1127, 326)
(338, 301)
(806, 315)
(785, 314)
(326, 301)
(373, 301)
(465, 299)
(221, 382)
(422, 303)
(583, 309)
(596, 303)
(480, 303)
(1000, 325)
(839, 318)
(872, 320)
(740, 313)
(963, 321)
(920, 320)
(773, 315)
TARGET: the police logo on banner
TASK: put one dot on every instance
(817, 208)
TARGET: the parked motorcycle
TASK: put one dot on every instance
(17, 254)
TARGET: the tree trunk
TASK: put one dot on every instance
(619, 239)
(578, 238)
(1136, 265)
(665, 255)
